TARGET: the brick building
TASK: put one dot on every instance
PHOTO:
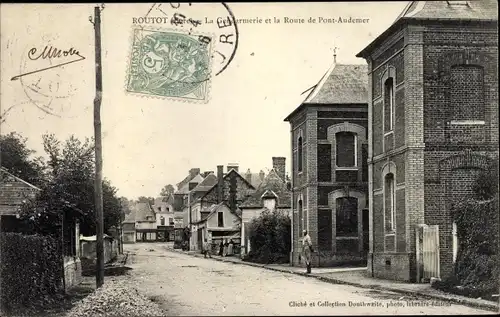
(329, 132)
(433, 124)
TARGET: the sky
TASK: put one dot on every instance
(150, 142)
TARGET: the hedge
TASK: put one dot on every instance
(30, 271)
(270, 238)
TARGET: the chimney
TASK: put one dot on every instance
(193, 172)
(232, 166)
(248, 176)
(279, 166)
(262, 175)
(220, 183)
(233, 190)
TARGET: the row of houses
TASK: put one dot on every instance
(382, 151)
(219, 206)
(149, 222)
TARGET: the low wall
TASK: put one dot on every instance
(327, 259)
(394, 266)
(88, 250)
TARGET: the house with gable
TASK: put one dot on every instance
(273, 194)
(218, 223)
(13, 193)
(164, 215)
(145, 222)
(433, 121)
(329, 167)
(128, 227)
(230, 187)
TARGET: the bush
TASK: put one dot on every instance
(477, 265)
(30, 271)
(269, 237)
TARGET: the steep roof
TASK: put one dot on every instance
(142, 211)
(254, 179)
(272, 185)
(341, 84)
(480, 10)
(130, 217)
(185, 188)
(17, 191)
(226, 176)
(207, 213)
(206, 184)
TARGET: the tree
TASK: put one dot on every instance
(269, 236)
(125, 203)
(18, 159)
(114, 212)
(69, 188)
(167, 190)
(144, 199)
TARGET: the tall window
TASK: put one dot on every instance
(467, 93)
(346, 154)
(220, 219)
(347, 216)
(390, 208)
(162, 220)
(299, 154)
(301, 227)
(324, 162)
(389, 105)
(170, 221)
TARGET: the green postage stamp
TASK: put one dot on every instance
(169, 64)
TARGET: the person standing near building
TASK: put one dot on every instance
(226, 245)
(230, 248)
(207, 248)
(307, 249)
(221, 248)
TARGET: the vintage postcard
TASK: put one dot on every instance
(293, 158)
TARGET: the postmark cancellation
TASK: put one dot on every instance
(170, 64)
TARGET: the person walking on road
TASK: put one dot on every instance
(207, 249)
(307, 250)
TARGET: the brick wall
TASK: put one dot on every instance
(460, 83)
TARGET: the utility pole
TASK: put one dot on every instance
(98, 150)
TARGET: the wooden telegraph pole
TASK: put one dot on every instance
(98, 150)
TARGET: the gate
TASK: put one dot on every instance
(428, 252)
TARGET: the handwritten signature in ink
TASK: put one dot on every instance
(50, 52)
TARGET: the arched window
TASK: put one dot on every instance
(162, 220)
(299, 154)
(389, 105)
(390, 203)
(346, 149)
